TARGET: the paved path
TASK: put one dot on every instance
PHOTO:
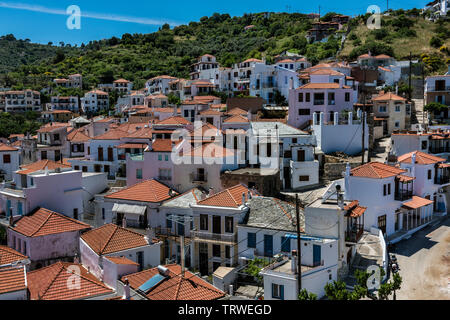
(424, 262)
(381, 150)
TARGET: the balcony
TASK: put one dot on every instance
(196, 177)
(441, 179)
(437, 89)
(433, 149)
(319, 102)
(168, 232)
(203, 235)
(164, 178)
(355, 233)
(403, 195)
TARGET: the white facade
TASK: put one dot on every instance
(94, 101)
(21, 101)
(9, 163)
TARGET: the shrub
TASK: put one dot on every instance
(436, 42)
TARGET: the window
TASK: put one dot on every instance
(166, 157)
(347, 96)
(319, 98)
(75, 213)
(6, 158)
(285, 244)
(300, 97)
(294, 140)
(300, 155)
(277, 291)
(159, 157)
(384, 190)
(138, 173)
(229, 224)
(103, 213)
(43, 155)
(304, 112)
(331, 100)
(424, 144)
(24, 247)
(203, 222)
(389, 188)
(397, 108)
(85, 169)
(382, 109)
(227, 252)
(303, 178)
(397, 124)
(76, 168)
(308, 97)
(251, 240)
(429, 174)
(168, 222)
(216, 250)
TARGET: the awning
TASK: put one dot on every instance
(127, 208)
(417, 202)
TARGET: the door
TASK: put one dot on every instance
(19, 208)
(287, 177)
(110, 154)
(382, 223)
(268, 245)
(216, 225)
(119, 219)
(317, 252)
(57, 155)
(300, 155)
(203, 258)
(8, 208)
(140, 260)
(100, 154)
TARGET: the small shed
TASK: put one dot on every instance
(223, 277)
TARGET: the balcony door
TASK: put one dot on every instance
(382, 223)
(268, 245)
(317, 255)
(110, 154)
(100, 154)
(217, 225)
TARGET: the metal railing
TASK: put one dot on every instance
(355, 234)
(202, 235)
(441, 179)
(434, 88)
(438, 149)
(403, 195)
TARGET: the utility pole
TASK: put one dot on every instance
(363, 123)
(299, 248)
(410, 71)
(182, 256)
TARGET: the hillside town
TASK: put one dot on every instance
(261, 181)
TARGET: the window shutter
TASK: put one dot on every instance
(281, 292)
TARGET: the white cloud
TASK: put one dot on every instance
(98, 16)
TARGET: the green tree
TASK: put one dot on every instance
(305, 295)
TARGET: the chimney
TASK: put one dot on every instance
(413, 158)
(291, 84)
(294, 261)
(46, 170)
(249, 115)
(341, 83)
(231, 290)
(126, 289)
(210, 192)
(249, 194)
(243, 198)
(76, 259)
(340, 197)
(150, 234)
(124, 222)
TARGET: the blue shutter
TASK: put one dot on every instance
(19, 208)
(285, 244)
(281, 292)
(8, 208)
(251, 240)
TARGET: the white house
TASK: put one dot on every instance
(9, 161)
(112, 240)
(95, 101)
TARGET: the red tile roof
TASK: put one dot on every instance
(44, 222)
(322, 86)
(176, 120)
(12, 279)
(132, 145)
(388, 96)
(236, 119)
(41, 165)
(417, 202)
(51, 283)
(52, 126)
(231, 197)
(376, 170)
(114, 134)
(162, 145)
(421, 158)
(5, 147)
(209, 150)
(121, 260)
(111, 238)
(175, 287)
(8, 255)
(77, 136)
(146, 191)
(237, 111)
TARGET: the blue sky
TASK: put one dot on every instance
(44, 21)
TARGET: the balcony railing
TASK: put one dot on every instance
(355, 233)
(438, 149)
(442, 179)
(441, 88)
(164, 178)
(403, 195)
(319, 102)
(202, 235)
(167, 232)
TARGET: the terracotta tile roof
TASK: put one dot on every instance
(132, 145)
(237, 111)
(162, 77)
(421, 158)
(330, 72)
(162, 145)
(206, 98)
(144, 133)
(231, 197)
(211, 113)
(252, 60)
(157, 96)
(8, 255)
(98, 92)
(17, 144)
(202, 83)
(236, 119)
(176, 120)
(50, 283)
(322, 86)
(209, 150)
(207, 130)
(417, 202)
(388, 96)
(376, 170)
(121, 260)
(5, 147)
(18, 135)
(44, 222)
(12, 279)
(382, 56)
(114, 134)
(403, 178)
(121, 81)
(286, 61)
(146, 191)
(175, 287)
(41, 165)
(78, 136)
(111, 238)
(52, 126)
